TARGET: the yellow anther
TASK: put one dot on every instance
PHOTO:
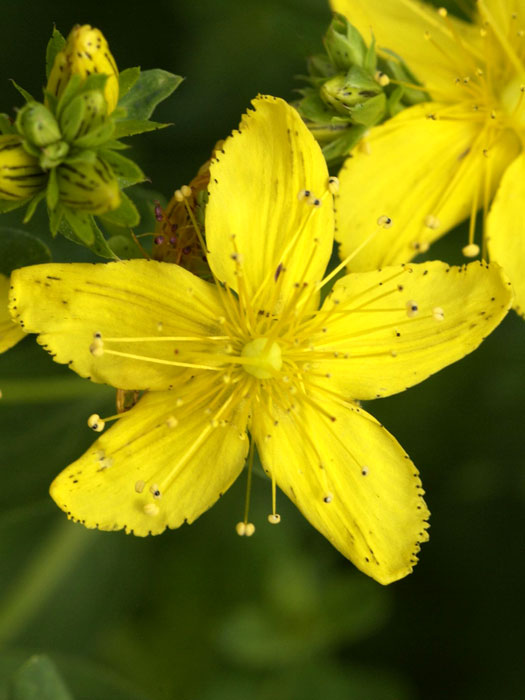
(250, 529)
(384, 221)
(438, 313)
(471, 250)
(155, 491)
(333, 185)
(240, 529)
(382, 78)
(151, 509)
(411, 308)
(139, 486)
(442, 12)
(96, 423)
(274, 518)
(186, 191)
(172, 422)
(432, 222)
(179, 197)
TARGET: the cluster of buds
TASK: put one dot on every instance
(351, 89)
(65, 150)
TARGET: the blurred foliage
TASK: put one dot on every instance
(200, 613)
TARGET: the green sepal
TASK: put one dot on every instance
(313, 108)
(130, 127)
(10, 204)
(52, 193)
(338, 149)
(51, 101)
(31, 149)
(320, 66)
(7, 125)
(115, 145)
(19, 248)
(55, 217)
(125, 170)
(32, 206)
(152, 87)
(71, 89)
(344, 44)
(126, 215)
(71, 118)
(370, 60)
(98, 136)
(370, 112)
(80, 155)
(82, 229)
(55, 44)
(26, 95)
(51, 156)
(127, 79)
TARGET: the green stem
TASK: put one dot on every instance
(50, 565)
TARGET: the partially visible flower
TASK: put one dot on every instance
(10, 332)
(438, 163)
(254, 352)
(176, 239)
(86, 52)
(21, 176)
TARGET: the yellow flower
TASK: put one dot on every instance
(253, 352)
(10, 333)
(438, 163)
(86, 52)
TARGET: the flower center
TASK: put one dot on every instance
(265, 358)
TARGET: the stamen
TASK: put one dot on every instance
(139, 486)
(274, 518)
(432, 222)
(471, 250)
(151, 509)
(381, 78)
(438, 313)
(245, 529)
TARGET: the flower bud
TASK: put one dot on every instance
(90, 187)
(20, 175)
(37, 124)
(86, 52)
(342, 92)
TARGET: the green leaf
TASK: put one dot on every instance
(152, 87)
(130, 127)
(55, 44)
(126, 215)
(127, 172)
(6, 125)
(81, 228)
(18, 249)
(126, 79)
(24, 93)
(38, 679)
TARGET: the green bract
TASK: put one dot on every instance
(352, 88)
(64, 150)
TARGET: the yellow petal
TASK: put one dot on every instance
(10, 333)
(68, 303)
(420, 172)
(392, 328)
(506, 229)
(420, 36)
(150, 472)
(256, 222)
(351, 480)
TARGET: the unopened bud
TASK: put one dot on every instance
(344, 44)
(37, 124)
(83, 115)
(20, 174)
(90, 187)
(86, 52)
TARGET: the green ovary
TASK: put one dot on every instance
(266, 358)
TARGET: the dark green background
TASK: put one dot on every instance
(200, 613)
